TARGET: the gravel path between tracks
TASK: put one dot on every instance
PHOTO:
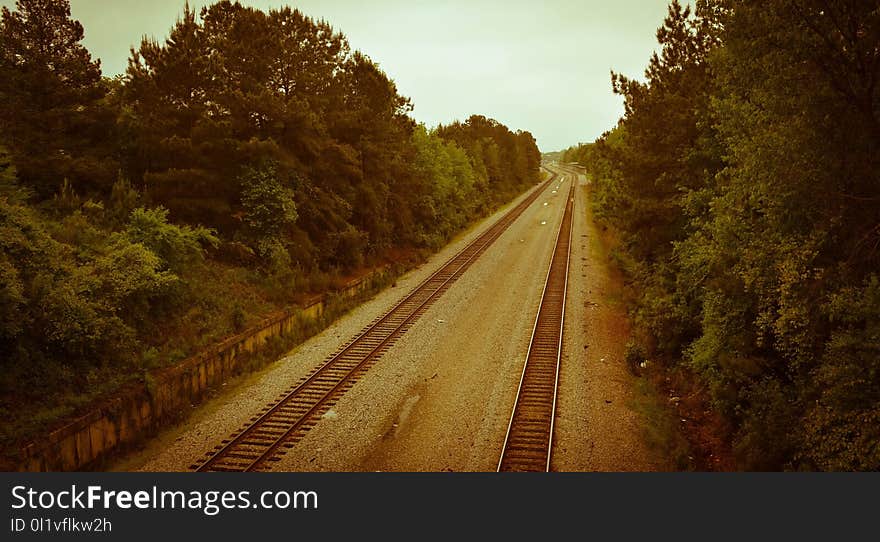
(441, 398)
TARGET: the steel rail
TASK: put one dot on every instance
(241, 446)
(528, 446)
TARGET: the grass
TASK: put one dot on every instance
(661, 425)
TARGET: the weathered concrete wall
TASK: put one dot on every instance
(139, 411)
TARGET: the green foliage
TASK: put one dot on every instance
(296, 98)
(246, 162)
(51, 111)
(580, 153)
(744, 179)
(74, 302)
(300, 145)
(505, 162)
(11, 299)
(78, 306)
(843, 425)
(238, 318)
(124, 198)
(125, 278)
(269, 212)
(9, 185)
(448, 185)
(176, 246)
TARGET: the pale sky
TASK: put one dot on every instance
(541, 66)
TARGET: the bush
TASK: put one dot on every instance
(843, 425)
(269, 205)
(177, 246)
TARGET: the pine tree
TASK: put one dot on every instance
(51, 113)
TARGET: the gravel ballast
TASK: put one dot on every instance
(440, 398)
(596, 428)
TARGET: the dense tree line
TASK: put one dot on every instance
(578, 153)
(243, 161)
(744, 179)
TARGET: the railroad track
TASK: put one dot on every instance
(528, 445)
(284, 422)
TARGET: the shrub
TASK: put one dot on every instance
(177, 246)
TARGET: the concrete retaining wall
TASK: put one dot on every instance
(139, 411)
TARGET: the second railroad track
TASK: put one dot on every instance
(528, 445)
(284, 422)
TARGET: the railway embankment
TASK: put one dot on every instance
(128, 417)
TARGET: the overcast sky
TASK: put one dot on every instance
(541, 66)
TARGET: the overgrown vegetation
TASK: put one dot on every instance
(246, 161)
(744, 178)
